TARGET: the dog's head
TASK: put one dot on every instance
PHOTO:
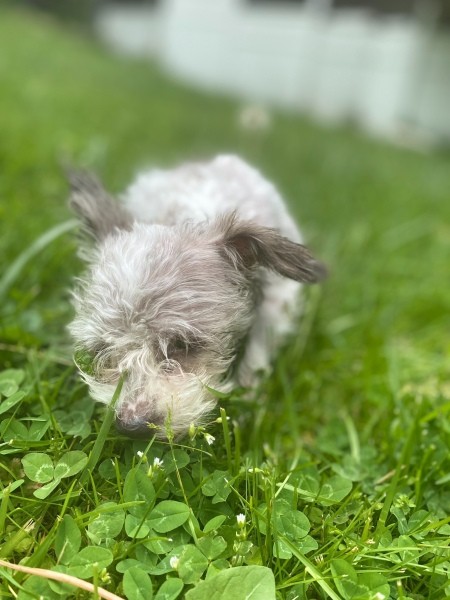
(169, 307)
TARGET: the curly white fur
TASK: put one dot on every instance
(193, 264)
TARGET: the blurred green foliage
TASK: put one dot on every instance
(351, 430)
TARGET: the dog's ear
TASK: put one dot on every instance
(248, 245)
(98, 211)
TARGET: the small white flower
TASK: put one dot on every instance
(157, 463)
(174, 562)
(210, 439)
(319, 559)
(140, 454)
(240, 518)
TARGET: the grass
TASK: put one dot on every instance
(340, 465)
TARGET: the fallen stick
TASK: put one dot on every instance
(62, 578)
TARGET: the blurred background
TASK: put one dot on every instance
(381, 64)
(343, 104)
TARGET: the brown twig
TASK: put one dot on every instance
(62, 578)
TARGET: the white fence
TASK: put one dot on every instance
(392, 76)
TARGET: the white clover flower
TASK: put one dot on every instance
(174, 562)
(240, 518)
(210, 439)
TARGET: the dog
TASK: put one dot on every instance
(192, 283)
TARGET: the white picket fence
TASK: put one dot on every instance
(392, 76)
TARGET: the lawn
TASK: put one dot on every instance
(333, 482)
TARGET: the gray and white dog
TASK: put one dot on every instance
(192, 283)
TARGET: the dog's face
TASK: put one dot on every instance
(169, 307)
(162, 306)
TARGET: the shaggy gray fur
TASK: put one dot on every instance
(191, 265)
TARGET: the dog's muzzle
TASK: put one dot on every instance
(137, 426)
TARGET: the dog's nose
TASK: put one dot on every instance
(135, 429)
(138, 427)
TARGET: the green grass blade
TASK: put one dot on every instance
(312, 570)
(102, 434)
(404, 460)
(14, 270)
(226, 437)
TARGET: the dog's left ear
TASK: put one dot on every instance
(248, 245)
(98, 211)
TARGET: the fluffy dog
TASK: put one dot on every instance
(193, 281)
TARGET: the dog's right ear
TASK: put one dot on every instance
(249, 245)
(98, 211)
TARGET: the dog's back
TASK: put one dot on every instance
(201, 191)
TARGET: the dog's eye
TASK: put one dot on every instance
(177, 346)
